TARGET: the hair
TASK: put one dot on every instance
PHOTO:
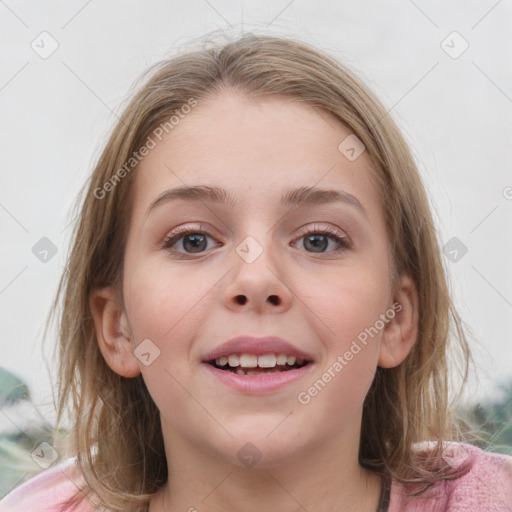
(405, 405)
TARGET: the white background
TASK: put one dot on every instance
(456, 113)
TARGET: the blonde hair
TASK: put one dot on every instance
(405, 405)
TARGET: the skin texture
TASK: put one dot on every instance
(186, 304)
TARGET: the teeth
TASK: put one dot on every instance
(248, 361)
(281, 359)
(254, 361)
(267, 361)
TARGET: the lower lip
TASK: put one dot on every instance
(258, 383)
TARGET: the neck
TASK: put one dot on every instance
(324, 477)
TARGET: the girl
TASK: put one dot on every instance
(255, 314)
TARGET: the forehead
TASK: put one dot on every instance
(258, 147)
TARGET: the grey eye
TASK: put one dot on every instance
(316, 242)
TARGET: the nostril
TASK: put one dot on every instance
(273, 299)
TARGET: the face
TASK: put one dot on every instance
(267, 256)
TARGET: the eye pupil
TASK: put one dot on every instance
(195, 242)
(317, 242)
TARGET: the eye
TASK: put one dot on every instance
(188, 241)
(322, 240)
(195, 241)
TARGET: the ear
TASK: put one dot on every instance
(112, 332)
(401, 331)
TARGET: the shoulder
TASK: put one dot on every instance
(485, 484)
(48, 491)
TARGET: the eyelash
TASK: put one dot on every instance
(181, 233)
(332, 233)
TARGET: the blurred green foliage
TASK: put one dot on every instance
(491, 422)
(22, 429)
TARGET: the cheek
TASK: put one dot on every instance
(348, 312)
(338, 393)
(348, 303)
(163, 305)
(163, 300)
(167, 305)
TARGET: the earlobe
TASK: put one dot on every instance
(112, 332)
(401, 331)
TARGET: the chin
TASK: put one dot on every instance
(262, 448)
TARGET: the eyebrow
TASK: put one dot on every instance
(300, 196)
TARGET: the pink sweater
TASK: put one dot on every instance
(486, 486)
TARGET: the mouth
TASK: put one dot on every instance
(256, 365)
(253, 364)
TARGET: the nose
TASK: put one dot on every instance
(255, 285)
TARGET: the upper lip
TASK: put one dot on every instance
(257, 346)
